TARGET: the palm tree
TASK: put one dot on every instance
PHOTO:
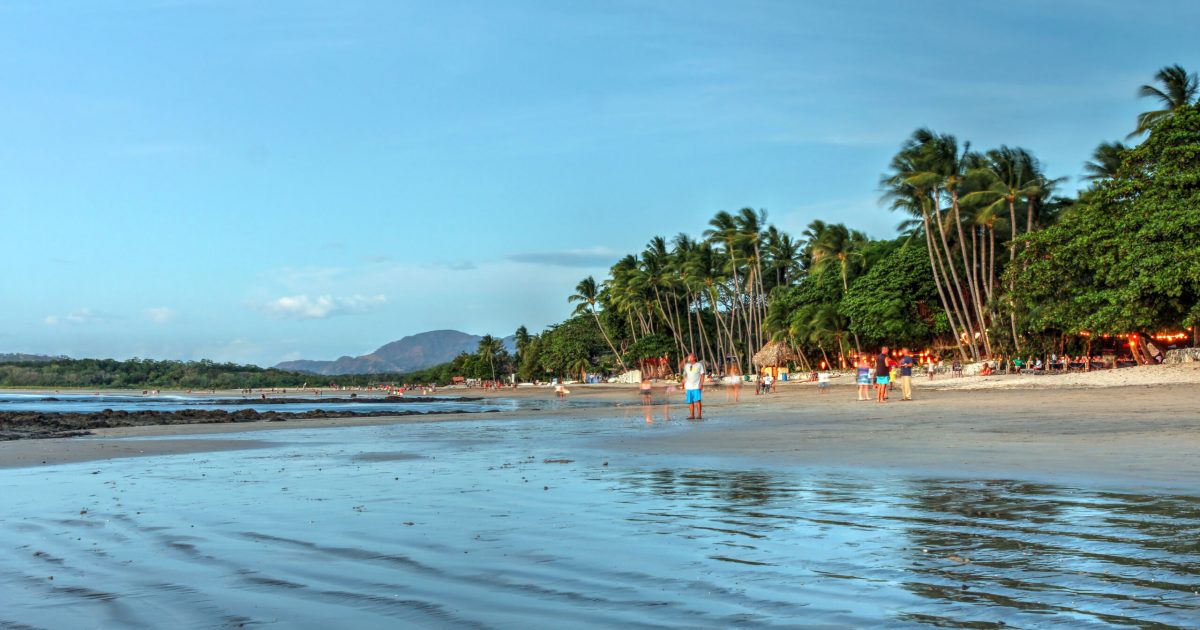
(845, 246)
(1105, 161)
(783, 257)
(489, 348)
(587, 294)
(581, 365)
(914, 185)
(521, 340)
(1176, 90)
(725, 231)
(954, 168)
(1010, 173)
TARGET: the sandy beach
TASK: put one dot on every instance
(980, 500)
(1131, 426)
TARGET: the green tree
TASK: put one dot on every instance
(586, 294)
(836, 244)
(1106, 159)
(1127, 256)
(1176, 91)
(895, 302)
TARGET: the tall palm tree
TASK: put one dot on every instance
(954, 167)
(521, 340)
(783, 257)
(1106, 159)
(489, 348)
(914, 185)
(841, 246)
(1176, 90)
(750, 224)
(725, 233)
(587, 294)
(1010, 173)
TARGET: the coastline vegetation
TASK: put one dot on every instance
(992, 258)
(148, 373)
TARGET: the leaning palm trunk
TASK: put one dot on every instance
(607, 340)
(1012, 255)
(845, 290)
(962, 245)
(688, 314)
(991, 285)
(667, 320)
(957, 293)
(1029, 215)
(930, 247)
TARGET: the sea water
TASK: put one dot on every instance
(92, 403)
(545, 523)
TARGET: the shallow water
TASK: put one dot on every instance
(91, 403)
(498, 523)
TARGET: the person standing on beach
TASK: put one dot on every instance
(882, 369)
(733, 383)
(906, 367)
(863, 378)
(693, 382)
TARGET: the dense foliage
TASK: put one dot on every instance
(146, 373)
(1127, 256)
(990, 261)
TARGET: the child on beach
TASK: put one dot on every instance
(823, 382)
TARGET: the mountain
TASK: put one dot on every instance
(411, 353)
(18, 357)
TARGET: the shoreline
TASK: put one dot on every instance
(1130, 434)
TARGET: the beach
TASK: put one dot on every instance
(978, 502)
(1137, 426)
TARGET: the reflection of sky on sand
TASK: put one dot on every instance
(345, 528)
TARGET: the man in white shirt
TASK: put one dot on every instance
(693, 383)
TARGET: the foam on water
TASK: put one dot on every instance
(528, 524)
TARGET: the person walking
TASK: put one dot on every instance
(882, 369)
(906, 368)
(693, 383)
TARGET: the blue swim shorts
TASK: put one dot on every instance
(693, 396)
(881, 380)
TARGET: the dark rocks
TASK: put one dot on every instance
(20, 425)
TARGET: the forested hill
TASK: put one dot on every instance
(146, 373)
(20, 357)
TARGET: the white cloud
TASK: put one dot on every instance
(80, 316)
(160, 314)
(320, 307)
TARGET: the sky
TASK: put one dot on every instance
(259, 181)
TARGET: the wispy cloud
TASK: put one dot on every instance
(320, 307)
(458, 265)
(160, 314)
(595, 257)
(80, 316)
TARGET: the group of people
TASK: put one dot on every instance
(883, 371)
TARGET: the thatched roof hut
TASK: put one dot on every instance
(775, 354)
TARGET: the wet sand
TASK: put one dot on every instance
(588, 523)
(1143, 435)
(965, 508)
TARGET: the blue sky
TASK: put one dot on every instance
(264, 180)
